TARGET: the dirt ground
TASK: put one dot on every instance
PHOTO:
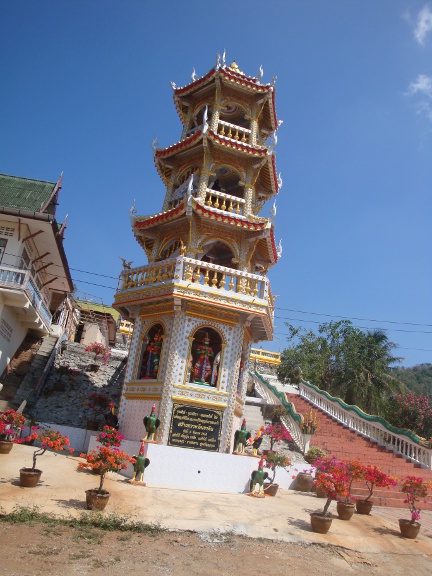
(36, 549)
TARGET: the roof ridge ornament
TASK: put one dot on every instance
(155, 144)
(194, 75)
(132, 211)
(260, 73)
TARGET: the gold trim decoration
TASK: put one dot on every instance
(130, 396)
(204, 389)
(188, 400)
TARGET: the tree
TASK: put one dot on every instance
(343, 360)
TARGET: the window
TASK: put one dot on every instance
(3, 243)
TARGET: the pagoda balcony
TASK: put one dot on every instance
(185, 276)
(233, 131)
(225, 202)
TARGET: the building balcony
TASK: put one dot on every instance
(21, 293)
(192, 279)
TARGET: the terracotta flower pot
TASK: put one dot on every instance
(97, 500)
(29, 477)
(320, 523)
(304, 482)
(409, 529)
(5, 446)
(270, 489)
(364, 506)
(345, 510)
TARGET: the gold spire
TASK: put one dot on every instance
(235, 68)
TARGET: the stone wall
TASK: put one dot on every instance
(68, 407)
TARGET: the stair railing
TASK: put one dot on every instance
(292, 419)
(399, 440)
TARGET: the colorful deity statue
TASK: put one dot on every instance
(151, 366)
(203, 366)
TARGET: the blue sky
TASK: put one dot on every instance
(85, 89)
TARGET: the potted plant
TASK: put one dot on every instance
(415, 489)
(48, 438)
(64, 370)
(98, 349)
(335, 486)
(106, 458)
(374, 477)
(11, 424)
(99, 404)
(355, 471)
(314, 453)
(274, 460)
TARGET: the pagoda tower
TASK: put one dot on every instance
(204, 296)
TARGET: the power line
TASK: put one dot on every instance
(276, 308)
(361, 327)
(353, 318)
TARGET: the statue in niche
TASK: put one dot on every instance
(215, 370)
(203, 367)
(150, 364)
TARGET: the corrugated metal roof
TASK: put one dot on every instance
(101, 308)
(25, 194)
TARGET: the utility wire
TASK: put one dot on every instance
(276, 308)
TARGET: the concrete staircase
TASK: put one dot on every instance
(30, 380)
(346, 444)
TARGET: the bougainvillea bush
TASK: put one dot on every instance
(106, 458)
(416, 489)
(276, 433)
(99, 403)
(11, 424)
(274, 460)
(412, 412)
(110, 437)
(376, 478)
(48, 438)
(99, 350)
(334, 484)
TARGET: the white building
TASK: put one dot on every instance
(35, 279)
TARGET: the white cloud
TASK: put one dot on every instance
(421, 90)
(423, 86)
(424, 24)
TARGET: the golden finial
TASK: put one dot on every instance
(235, 68)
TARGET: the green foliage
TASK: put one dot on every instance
(108, 522)
(417, 378)
(347, 362)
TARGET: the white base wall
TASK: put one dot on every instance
(182, 468)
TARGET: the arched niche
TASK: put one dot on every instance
(219, 253)
(226, 179)
(171, 248)
(205, 356)
(150, 353)
(234, 113)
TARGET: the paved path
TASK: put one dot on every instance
(284, 517)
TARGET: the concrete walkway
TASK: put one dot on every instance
(283, 517)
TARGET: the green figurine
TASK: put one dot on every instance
(151, 424)
(240, 439)
(257, 479)
(140, 465)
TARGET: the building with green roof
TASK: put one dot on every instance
(35, 279)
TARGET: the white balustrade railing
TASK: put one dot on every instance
(223, 201)
(290, 420)
(407, 444)
(20, 279)
(208, 276)
(233, 131)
